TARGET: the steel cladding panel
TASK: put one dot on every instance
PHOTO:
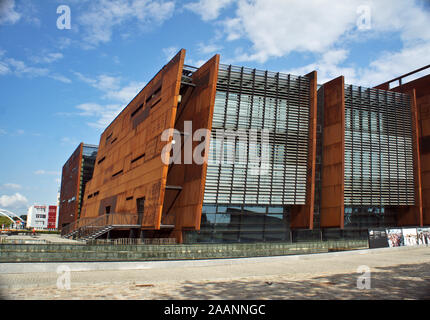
(197, 104)
(333, 160)
(129, 164)
(422, 95)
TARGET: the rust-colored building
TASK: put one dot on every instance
(223, 153)
(77, 171)
(419, 89)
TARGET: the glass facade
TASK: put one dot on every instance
(248, 101)
(89, 155)
(378, 148)
(238, 223)
(246, 200)
(243, 207)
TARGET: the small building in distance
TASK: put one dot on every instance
(76, 172)
(42, 217)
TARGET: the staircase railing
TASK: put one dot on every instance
(84, 227)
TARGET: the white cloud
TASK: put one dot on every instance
(127, 93)
(63, 43)
(209, 48)
(67, 141)
(102, 82)
(208, 9)
(102, 16)
(276, 28)
(195, 63)
(388, 66)
(60, 78)
(103, 114)
(47, 57)
(44, 172)
(112, 88)
(8, 15)
(16, 200)
(393, 64)
(4, 69)
(113, 91)
(328, 67)
(170, 52)
(21, 69)
(12, 186)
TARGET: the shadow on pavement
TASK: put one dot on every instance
(409, 281)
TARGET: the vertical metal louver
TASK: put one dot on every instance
(378, 148)
(247, 100)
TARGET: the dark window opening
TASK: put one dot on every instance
(107, 210)
(140, 203)
(155, 103)
(114, 140)
(118, 173)
(109, 136)
(157, 91)
(129, 198)
(101, 160)
(137, 158)
(137, 110)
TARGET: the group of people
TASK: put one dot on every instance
(423, 237)
(397, 238)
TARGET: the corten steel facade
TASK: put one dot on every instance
(340, 158)
(130, 176)
(370, 163)
(77, 171)
(420, 89)
(167, 200)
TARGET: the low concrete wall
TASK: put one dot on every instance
(88, 253)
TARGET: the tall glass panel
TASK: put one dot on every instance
(378, 148)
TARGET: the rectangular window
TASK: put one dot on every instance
(155, 103)
(152, 95)
(109, 136)
(140, 205)
(137, 110)
(137, 158)
(116, 174)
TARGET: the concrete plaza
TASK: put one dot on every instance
(395, 273)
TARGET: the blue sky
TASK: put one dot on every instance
(63, 86)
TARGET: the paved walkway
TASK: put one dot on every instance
(396, 273)
(41, 237)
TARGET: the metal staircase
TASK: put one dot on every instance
(92, 228)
